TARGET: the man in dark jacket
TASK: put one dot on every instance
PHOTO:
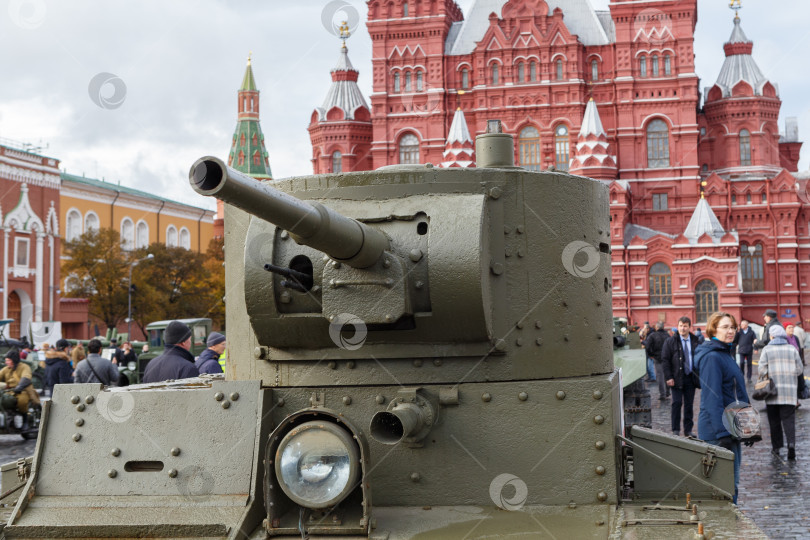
(176, 362)
(770, 319)
(676, 358)
(57, 365)
(208, 361)
(95, 369)
(655, 345)
(744, 343)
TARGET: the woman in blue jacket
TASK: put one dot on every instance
(722, 383)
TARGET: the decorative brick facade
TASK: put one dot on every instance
(705, 209)
(30, 244)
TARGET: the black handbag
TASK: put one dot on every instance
(764, 389)
(803, 389)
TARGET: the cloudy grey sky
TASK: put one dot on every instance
(182, 62)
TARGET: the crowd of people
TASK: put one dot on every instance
(65, 363)
(680, 362)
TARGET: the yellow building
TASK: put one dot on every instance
(142, 218)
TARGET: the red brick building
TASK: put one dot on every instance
(30, 240)
(705, 209)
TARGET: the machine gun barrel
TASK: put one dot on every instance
(309, 223)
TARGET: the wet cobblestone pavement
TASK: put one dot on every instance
(14, 447)
(773, 491)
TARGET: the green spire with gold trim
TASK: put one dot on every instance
(248, 154)
(248, 82)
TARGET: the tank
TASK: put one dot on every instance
(414, 353)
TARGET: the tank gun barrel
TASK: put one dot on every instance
(309, 223)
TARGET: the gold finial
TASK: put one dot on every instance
(344, 33)
(736, 5)
(249, 55)
(703, 184)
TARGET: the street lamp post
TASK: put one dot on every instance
(129, 295)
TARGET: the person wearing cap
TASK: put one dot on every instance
(176, 362)
(15, 379)
(208, 361)
(780, 362)
(770, 320)
(57, 365)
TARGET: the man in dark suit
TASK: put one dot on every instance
(744, 343)
(676, 360)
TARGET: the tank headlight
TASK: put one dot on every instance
(131, 366)
(317, 464)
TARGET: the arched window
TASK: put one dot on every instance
(521, 72)
(241, 160)
(171, 236)
(533, 71)
(409, 149)
(561, 147)
(529, 146)
(642, 66)
(91, 221)
(745, 147)
(337, 162)
(667, 65)
(141, 235)
(494, 74)
(257, 158)
(657, 144)
(465, 78)
(73, 225)
(559, 69)
(660, 285)
(419, 85)
(396, 82)
(405, 9)
(751, 267)
(594, 70)
(655, 65)
(705, 300)
(407, 81)
(185, 238)
(127, 233)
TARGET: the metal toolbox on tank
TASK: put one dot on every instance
(665, 464)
